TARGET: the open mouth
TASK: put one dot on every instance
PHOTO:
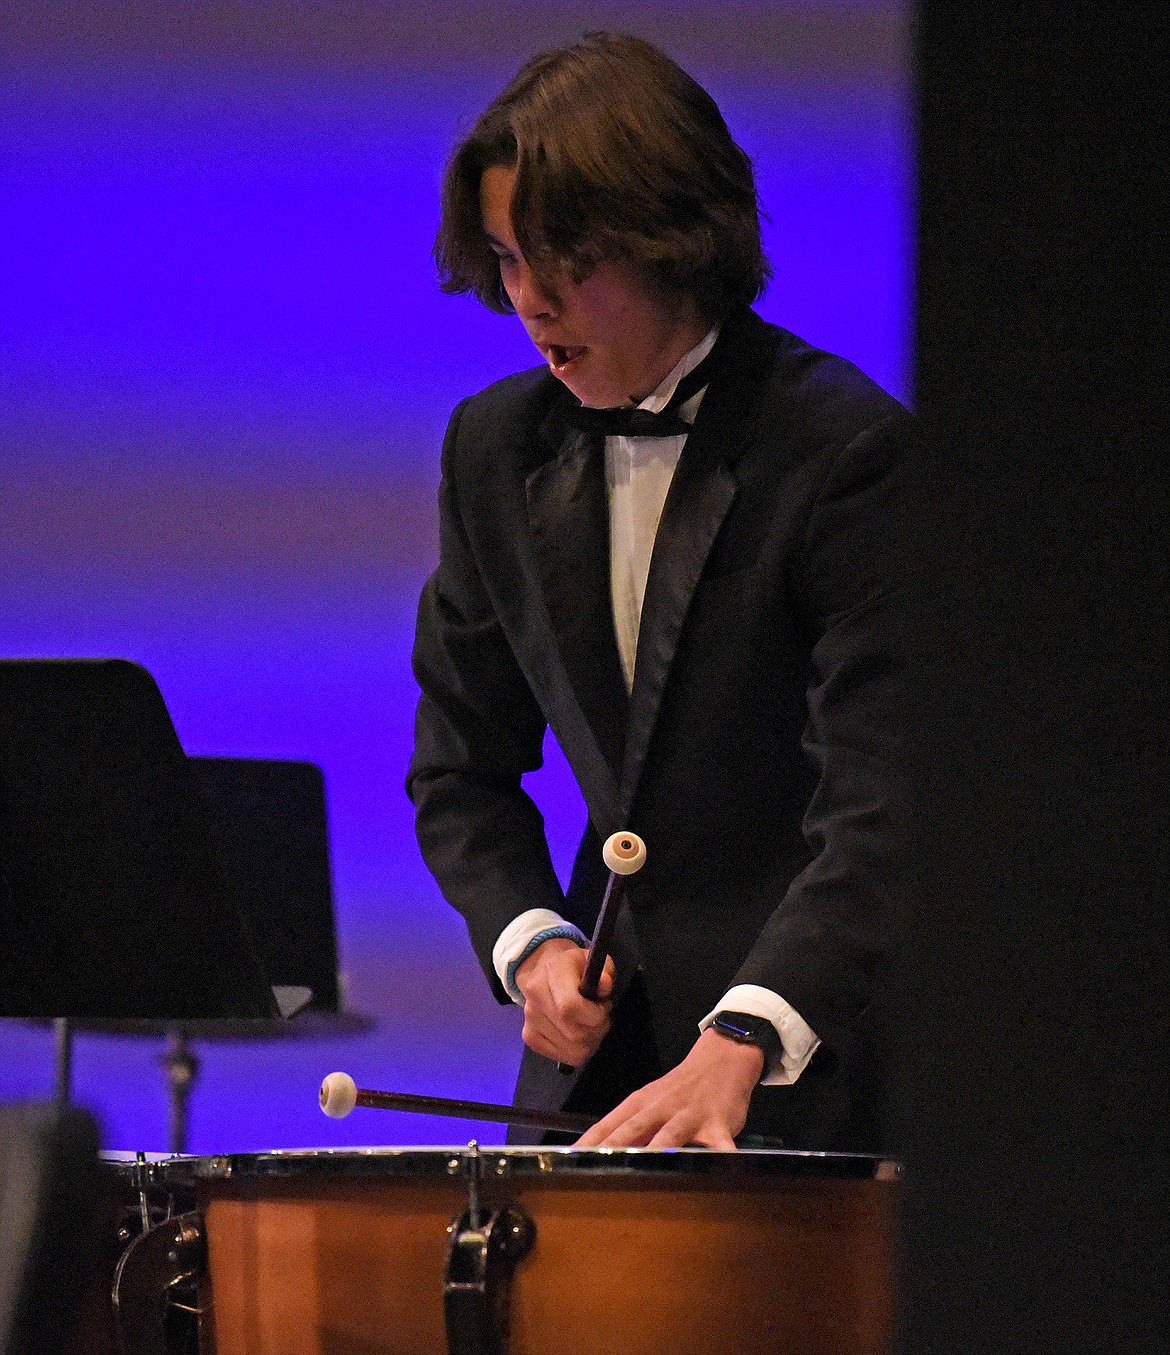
(561, 357)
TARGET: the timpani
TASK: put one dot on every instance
(537, 1251)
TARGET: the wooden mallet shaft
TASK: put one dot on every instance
(340, 1094)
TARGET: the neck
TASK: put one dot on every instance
(689, 330)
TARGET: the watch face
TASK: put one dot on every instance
(748, 1029)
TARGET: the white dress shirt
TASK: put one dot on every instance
(638, 472)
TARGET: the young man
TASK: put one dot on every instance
(704, 610)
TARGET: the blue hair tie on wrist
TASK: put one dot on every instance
(565, 929)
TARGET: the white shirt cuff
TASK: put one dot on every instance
(514, 940)
(799, 1040)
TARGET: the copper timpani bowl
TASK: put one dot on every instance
(759, 1252)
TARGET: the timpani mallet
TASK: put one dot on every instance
(624, 854)
(340, 1094)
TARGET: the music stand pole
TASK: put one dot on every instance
(181, 1067)
(63, 1041)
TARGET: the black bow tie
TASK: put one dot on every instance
(628, 421)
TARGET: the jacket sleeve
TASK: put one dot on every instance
(478, 729)
(826, 947)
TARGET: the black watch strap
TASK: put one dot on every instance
(744, 1028)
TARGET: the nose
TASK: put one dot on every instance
(532, 299)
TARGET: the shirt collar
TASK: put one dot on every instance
(659, 397)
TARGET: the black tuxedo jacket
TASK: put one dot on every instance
(753, 754)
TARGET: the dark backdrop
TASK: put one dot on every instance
(1034, 1061)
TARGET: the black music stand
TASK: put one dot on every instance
(269, 823)
(268, 818)
(114, 901)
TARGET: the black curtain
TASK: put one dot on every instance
(1036, 890)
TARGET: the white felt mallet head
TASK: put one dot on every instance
(624, 853)
(338, 1095)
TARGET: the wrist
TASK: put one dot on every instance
(546, 943)
(745, 1061)
(748, 1031)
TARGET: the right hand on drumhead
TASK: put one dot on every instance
(558, 1022)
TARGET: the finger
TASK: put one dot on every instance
(587, 1032)
(550, 1039)
(685, 1133)
(577, 1011)
(545, 1037)
(559, 1051)
(558, 1000)
(592, 1138)
(568, 999)
(565, 990)
(674, 1134)
(568, 1007)
(595, 1137)
(557, 954)
(635, 1128)
(606, 981)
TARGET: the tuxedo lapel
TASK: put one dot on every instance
(699, 499)
(568, 513)
(701, 494)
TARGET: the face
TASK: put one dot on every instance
(608, 338)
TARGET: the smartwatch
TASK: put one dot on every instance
(744, 1028)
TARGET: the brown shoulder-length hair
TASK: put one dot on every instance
(619, 154)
